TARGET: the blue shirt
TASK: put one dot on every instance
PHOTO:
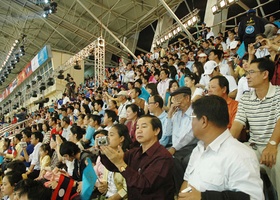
(29, 150)
(180, 127)
(89, 135)
(144, 94)
(165, 140)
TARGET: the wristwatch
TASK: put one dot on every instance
(278, 50)
(272, 142)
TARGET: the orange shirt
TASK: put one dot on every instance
(232, 109)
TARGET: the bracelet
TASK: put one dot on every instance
(278, 50)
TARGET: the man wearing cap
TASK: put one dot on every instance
(233, 47)
(179, 126)
(122, 99)
(211, 69)
(249, 27)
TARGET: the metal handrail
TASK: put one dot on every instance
(11, 127)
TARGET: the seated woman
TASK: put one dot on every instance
(9, 182)
(133, 112)
(76, 134)
(113, 184)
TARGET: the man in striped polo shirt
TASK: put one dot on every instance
(261, 107)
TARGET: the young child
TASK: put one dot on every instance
(45, 160)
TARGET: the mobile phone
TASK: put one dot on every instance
(186, 190)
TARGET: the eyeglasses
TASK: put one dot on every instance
(250, 72)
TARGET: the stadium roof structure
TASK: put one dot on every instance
(76, 23)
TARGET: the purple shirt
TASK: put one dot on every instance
(148, 175)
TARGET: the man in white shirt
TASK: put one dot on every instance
(220, 165)
(122, 99)
(128, 74)
(34, 169)
(65, 124)
(65, 99)
(164, 83)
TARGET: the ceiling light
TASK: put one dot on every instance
(77, 66)
(215, 9)
(179, 29)
(222, 3)
(174, 31)
(170, 35)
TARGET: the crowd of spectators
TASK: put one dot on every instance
(162, 122)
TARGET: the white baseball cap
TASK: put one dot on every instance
(209, 66)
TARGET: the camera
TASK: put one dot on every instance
(102, 141)
(23, 144)
(257, 45)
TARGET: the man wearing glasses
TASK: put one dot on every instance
(261, 107)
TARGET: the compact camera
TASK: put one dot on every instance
(23, 144)
(102, 141)
(257, 45)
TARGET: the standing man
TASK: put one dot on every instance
(261, 108)
(147, 169)
(65, 124)
(164, 83)
(220, 167)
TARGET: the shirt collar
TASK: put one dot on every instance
(270, 93)
(216, 144)
(151, 150)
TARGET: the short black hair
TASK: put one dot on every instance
(139, 80)
(17, 165)
(166, 71)
(155, 122)
(265, 64)
(217, 52)
(111, 114)
(38, 135)
(214, 108)
(96, 118)
(69, 148)
(13, 177)
(223, 82)
(137, 90)
(66, 120)
(18, 136)
(77, 130)
(99, 102)
(158, 99)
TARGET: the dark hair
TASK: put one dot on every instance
(47, 125)
(99, 102)
(96, 118)
(40, 127)
(66, 120)
(77, 130)
(54, 137)
(214, 108)
(218, 53)
(102, 131)
(123, 131)
(153, 87)
(34, 126)
(69, 148)
(199, 67)
(26, 132)
(38, 135)
(166, 71)
(137, 90)
(139, 80)
(18, 136)
(155, 122)
(265, 64)
(158, 99)
(111, 114)
(46, 147)
(13, 177)
(194, 77)
(54, 119)
(136, 109)
(171, 83)
(86, 107)
(82, 115)
(17, 165)
(33, 189)
(223, 82)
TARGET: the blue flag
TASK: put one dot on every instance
(241, 50)
(89, 178)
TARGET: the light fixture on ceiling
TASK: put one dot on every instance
(222, 4)
(50, 81)
(77, 66)
(215, 9)
(60, 74)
